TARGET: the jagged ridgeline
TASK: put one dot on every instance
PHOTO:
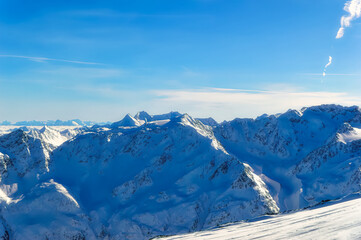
(147, 175)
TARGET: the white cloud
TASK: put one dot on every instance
(45, 59)
(353, 7)
(111, 104)
(226, 104)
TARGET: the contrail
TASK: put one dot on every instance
(327, 65)
(353, 7)
(43, 59)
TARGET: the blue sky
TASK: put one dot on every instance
(98, 60)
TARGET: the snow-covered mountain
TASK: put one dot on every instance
(280, 148)
(167, 174)
(209, 121)
(144, 116)
(73, 122)
(23, 154)
(158, 179)
(335, 168)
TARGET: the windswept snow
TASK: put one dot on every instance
(351, 136)
(336, 220)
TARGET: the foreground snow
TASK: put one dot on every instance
(336, 220)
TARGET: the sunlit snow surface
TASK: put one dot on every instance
(336, 220)
(354, 135)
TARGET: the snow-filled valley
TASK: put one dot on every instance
(150, 175)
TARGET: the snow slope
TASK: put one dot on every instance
(336, 220)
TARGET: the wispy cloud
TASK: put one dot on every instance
(45, 59)
(231, 103)
(353, 7)
(109, 13)
(82, 72)
(327, 65)
(330, 74)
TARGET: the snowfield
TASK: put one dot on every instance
(333, 220)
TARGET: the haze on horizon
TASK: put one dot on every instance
(101, 60)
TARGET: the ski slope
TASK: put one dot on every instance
(335, 220)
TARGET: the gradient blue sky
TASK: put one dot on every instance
(98, 60)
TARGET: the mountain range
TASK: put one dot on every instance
(150, 175)
(74, 122)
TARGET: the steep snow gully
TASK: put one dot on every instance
(146, 176)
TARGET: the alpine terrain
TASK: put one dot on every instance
(153, 175)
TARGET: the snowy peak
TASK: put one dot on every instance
(49, 135)
(73, 122)
(331, 108)
(127, 121)
(209, 121)
(26, 153)
(185, 119)
(52, 136)
(30, 150)
(169, 115)
(335, 112)
(188, 121)
(46, 129)
(291, 115)
(143, 116)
